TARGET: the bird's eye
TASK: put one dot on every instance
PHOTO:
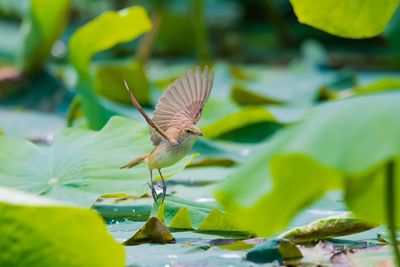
(188, 131)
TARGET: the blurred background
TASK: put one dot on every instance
(261, 53)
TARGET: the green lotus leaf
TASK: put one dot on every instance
(351, 19)
(81, 164)
(180, 213)
(342, 144)
(39, 232)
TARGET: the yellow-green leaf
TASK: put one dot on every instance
(39, 232)
(350, 18)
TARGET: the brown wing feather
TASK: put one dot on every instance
(183, 101)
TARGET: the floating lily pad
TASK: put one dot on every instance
(81, 165)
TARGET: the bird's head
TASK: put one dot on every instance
(189, 131)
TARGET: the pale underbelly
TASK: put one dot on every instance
(166, 155)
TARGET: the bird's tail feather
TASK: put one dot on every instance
(135, 161)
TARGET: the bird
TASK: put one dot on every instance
(173, 129)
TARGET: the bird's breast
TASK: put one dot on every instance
(165, 154)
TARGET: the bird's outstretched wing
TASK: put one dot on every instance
(153, 126)
(183, 101)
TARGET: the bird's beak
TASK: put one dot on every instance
(198, 133)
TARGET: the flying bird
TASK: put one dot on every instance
(173, 127)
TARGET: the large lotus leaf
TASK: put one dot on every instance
(186, 214)
(41, 28)
(39, 232)
(342, 144)
(351, 19)
(81, 164)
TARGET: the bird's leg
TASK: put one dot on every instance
(164, 187)
(151, 185)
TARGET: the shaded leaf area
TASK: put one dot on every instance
(37, 231)
(324, 152)
(185, 214)
(81, 165)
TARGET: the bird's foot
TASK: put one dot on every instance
(153, 192)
